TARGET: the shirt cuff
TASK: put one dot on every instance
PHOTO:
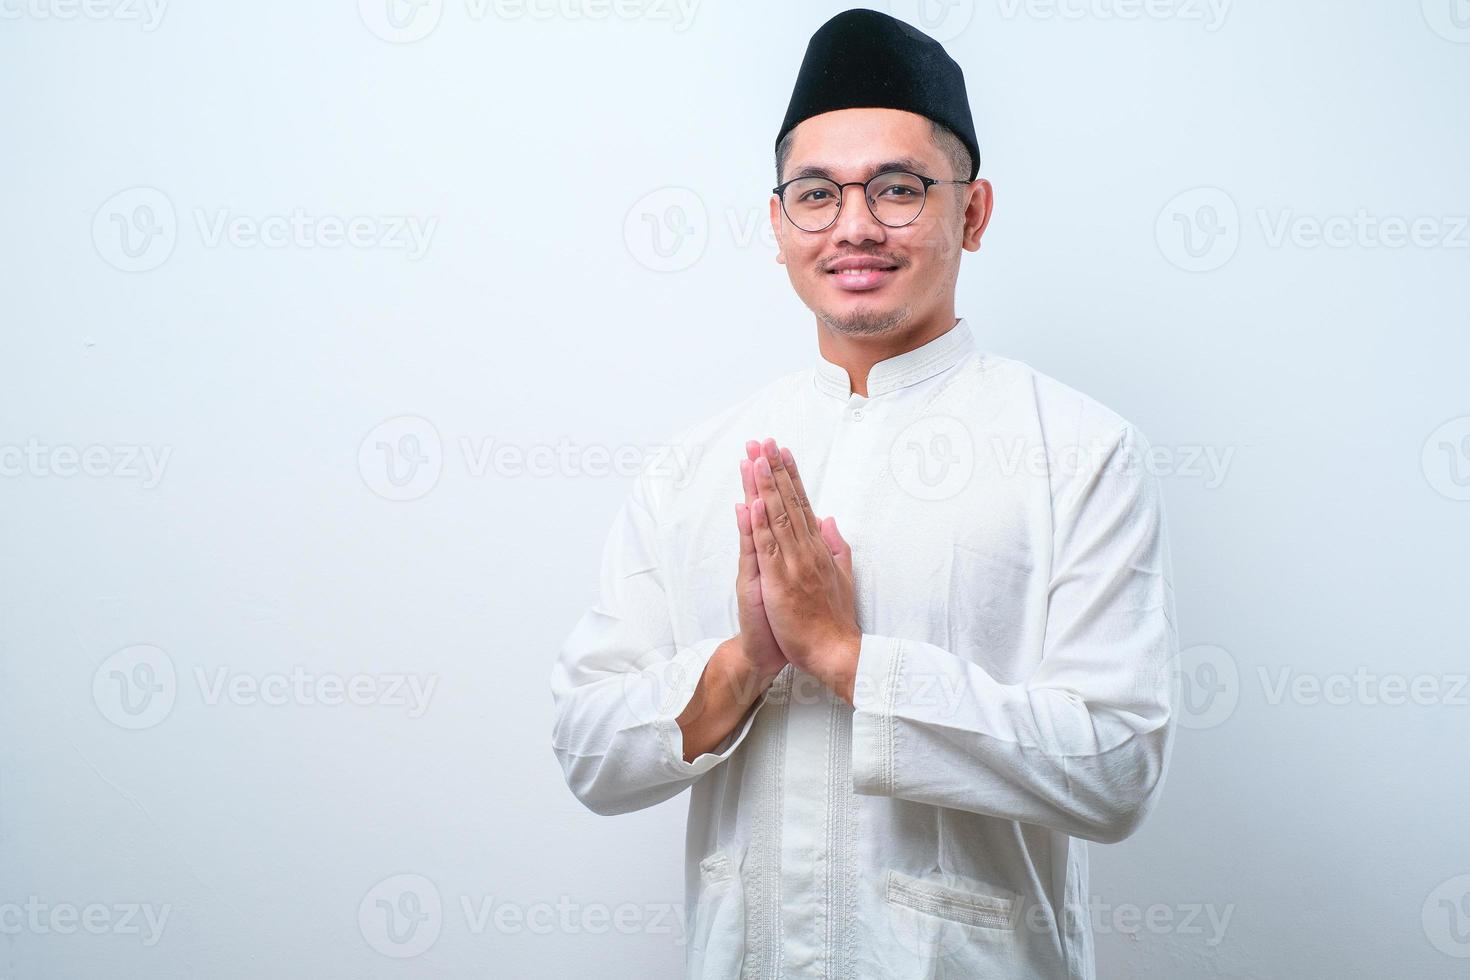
(880, 661)
(685, 670)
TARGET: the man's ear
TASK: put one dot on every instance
(776, 228)
(977, 213)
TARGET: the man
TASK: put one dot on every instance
(899, 726)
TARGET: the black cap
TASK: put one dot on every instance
(867, 59)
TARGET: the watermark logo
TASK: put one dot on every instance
(401, 21)
(1207, 686)
(1446, 459)
(943, 20)
(1450, 19)
(401, 916)
(1199, 230)
(933, 458)
(135, 688)
(667, 230)
(402, 458)
(135, 230)
(1446, 917)
(662, 686)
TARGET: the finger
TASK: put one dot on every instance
(788, 458)
(749, 566)
(784, 486)
(767, 549)
(841, 550)
(747, 480)
(774, 509)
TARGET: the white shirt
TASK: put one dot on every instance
(1013, 696)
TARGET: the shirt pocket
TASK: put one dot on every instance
(941, 929)
(717, 942)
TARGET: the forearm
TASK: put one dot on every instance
(727, 688)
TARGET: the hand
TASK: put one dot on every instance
(805, 570)
(756, 638)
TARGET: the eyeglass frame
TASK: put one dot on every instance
(928, 182)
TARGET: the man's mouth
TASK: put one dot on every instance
(862, 277)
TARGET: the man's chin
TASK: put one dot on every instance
(860, 316)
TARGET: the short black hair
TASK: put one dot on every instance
(943, 137)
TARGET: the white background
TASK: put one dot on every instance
(536, 146)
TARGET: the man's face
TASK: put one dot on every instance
(915, 267)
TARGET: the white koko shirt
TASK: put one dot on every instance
(1013, 696)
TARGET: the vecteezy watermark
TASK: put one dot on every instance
(1206, 683)
(1363, 229)
(141, 919)
(121, 461)
(667, 230)
(1203, 919)
(137, 687)
(566, 916)
(1446, 917)
(1450, 19)
(933, 458)
(401, 21)
(300, 687)
(137, 229)
(1445, 459)
(936, 457)
(944, 20)
(1200, 230)
(403, 457)
(407, 21)
(401, 916)
(148, 14)
(1364, 687)
(1208, 464)
(1210, 13)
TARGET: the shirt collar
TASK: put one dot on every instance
(900, 370)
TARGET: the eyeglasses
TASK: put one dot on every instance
(895, 198)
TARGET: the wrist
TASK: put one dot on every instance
(838, 662)
(754, 671)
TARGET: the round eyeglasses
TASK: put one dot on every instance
(895, 198)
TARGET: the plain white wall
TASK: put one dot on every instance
(1161, 170)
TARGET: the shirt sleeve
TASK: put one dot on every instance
(1081, 745)
(620, 681)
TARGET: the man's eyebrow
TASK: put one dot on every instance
(898, 163)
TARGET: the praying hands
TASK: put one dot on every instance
(794, 586)
(794, 591)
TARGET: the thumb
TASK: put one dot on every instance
(837, 544)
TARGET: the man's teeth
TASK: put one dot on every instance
(857, 272)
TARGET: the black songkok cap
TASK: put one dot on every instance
(867, 59)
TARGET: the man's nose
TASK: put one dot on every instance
(855, 222)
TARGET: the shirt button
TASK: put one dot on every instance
(857, 413)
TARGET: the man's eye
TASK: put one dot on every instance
(812, 195)
(897, 191)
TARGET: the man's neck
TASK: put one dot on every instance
(858, 353)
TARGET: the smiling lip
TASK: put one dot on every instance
(858, 274)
